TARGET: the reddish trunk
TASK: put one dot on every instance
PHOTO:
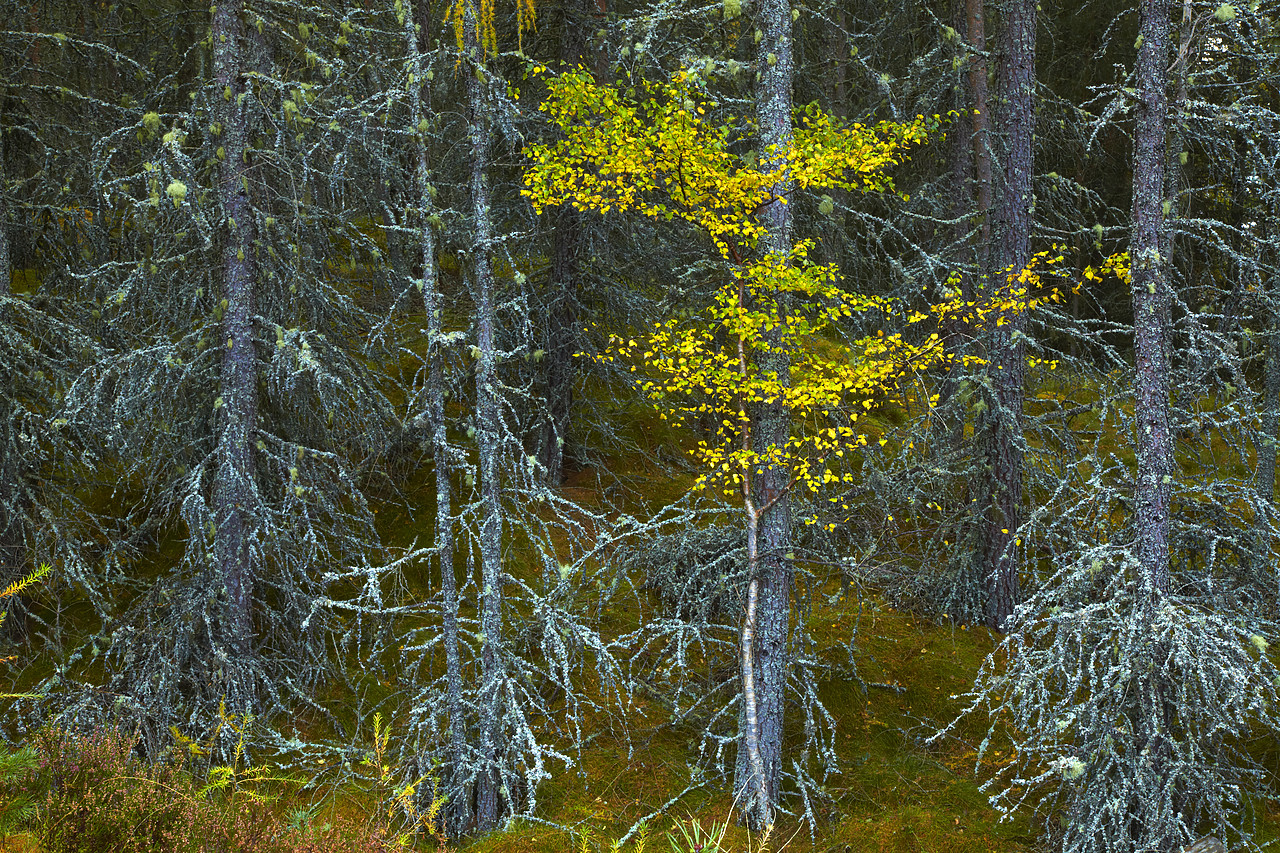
(1007, 359)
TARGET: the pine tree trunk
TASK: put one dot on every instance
(488, 437)
(1016, 75)
(237, 416)
(1151, 300)
(766, 658)
(458, 808)
(976, 33)
(961, 148)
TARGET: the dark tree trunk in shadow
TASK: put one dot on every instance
(235, 493)
(1002, 426)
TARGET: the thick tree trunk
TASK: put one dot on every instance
(1016, 75)
(766, 658)
(489, 808)
(1151, 300)
(458, 808)
(976, 35)
(237, 415)
(961, 141)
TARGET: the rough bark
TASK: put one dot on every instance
(976, 35)
(458, 814)
(1265, 474)
(1151, 300)
(1007, 359)
(237, 414)
(489, 808)
(560, 302)
(961, 141)
(766, 661)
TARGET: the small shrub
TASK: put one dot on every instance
(92, 793)
(98, 796)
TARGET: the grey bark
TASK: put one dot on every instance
(458, 809)
(234, 491)
(11, 547)
(488, 435)
(765, 657)
(1012, 235)
(1151, 300)
(1265, 475)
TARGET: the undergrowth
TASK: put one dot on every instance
(92, 793)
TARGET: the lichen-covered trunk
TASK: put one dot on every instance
(234, 491)
(1151, 300)
(488, 795)
(458, 807)
(1264, 482)
(1265, 475)
(12, 557)
(767, 665)
(1004, 442)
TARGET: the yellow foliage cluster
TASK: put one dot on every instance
(1117, 265)
(658, 153)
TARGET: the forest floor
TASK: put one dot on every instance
(892, 680)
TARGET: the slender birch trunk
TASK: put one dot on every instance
(488, 789)
(458, 815)
(1016, 75)
(234, 490)
(766, 629)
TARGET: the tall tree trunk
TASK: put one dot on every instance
(961, 152)
(976, 35)
(558, 339)
(237, 416)
(1265, 474)
(1151, 300)
(11, 539)
(488, 434)
(458, 808)
(766, 628)
(1016, 78)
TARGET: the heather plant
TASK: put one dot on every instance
(86, 793)
(91, 793)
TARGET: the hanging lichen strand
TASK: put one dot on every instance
(486, 41)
